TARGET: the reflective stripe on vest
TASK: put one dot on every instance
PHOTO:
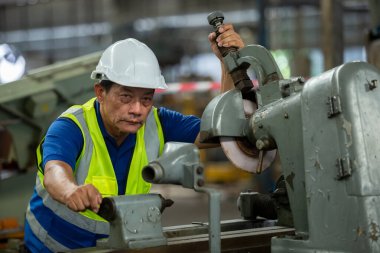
(42, 234)
(87, 165)
(68, 215)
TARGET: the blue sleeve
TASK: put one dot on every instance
(63, 141)
(178, 127)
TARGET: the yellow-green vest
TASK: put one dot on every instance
(94, 166)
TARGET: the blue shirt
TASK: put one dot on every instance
(64, 141)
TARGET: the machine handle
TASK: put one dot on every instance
(216, 20)
(107, 209)
(239, 75)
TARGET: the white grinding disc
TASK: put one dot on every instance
(241, 159)
(238, 157)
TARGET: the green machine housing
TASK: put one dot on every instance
(28, 106)
(326, 134)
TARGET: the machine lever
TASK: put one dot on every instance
(259, 168)
(216, 20)
(239, 75)
(108, 207)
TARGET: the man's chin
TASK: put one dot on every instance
(132, 129)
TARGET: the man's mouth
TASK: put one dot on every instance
(135, 123)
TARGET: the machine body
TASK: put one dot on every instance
(329, 148)
(325, 132)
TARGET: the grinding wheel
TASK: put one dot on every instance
(241, 152)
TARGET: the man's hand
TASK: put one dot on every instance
(59, 182)
(83, 197)
(227, 38)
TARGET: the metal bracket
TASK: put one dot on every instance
(334, 107)
(344, 168)
(289, 86)
(371, 85)
(135, 221)
(179, 164)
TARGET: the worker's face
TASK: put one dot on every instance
(124, 109)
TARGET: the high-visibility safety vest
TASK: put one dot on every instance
(94, 166)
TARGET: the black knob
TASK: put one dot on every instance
(107, 209)
(215, 18)
(165, 203)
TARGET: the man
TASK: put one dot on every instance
(99, 148)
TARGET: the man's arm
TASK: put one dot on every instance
(59, 182)
(227, 38)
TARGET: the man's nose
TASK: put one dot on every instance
(135, 107)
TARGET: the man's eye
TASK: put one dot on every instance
(126, 97)
(146, 100)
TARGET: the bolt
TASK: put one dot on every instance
(263, 143)
(301, 80)
(373, 84)
(200, 182)
(199, 170)
(286, 115)
(260, 144)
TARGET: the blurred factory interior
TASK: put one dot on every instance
(306, 37)
(47, 31)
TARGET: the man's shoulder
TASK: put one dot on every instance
(164, 112)
(65, 127)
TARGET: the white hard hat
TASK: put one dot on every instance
(130, 63)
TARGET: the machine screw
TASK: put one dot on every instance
(373, 84)
(200, 182)
(301, 80)
(260, 144)
(265, 143)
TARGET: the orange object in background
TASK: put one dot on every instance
(10, 229)
(8, 223)
(224, 172)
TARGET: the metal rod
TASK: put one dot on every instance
(214, 218)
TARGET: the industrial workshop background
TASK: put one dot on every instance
(306, 37)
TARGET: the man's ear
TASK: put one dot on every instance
(99, 92)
